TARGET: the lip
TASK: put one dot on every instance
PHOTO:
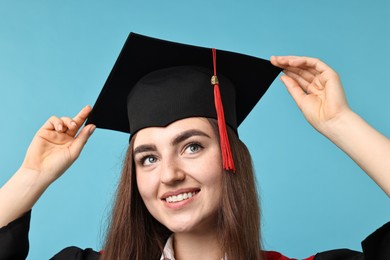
(180, 204)
(177, 192)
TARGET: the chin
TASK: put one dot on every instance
(181, 227)
(190, 225)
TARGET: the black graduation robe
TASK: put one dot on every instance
(14, 245)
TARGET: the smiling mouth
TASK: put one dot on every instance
(180, 197)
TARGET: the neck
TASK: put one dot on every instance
(189, 246)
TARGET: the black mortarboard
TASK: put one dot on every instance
(156, 82)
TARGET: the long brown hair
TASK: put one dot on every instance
(134, 234)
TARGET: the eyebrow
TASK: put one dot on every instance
(178, 139)
(144, 148)
(187, 134)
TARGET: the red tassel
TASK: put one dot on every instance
(227, 156)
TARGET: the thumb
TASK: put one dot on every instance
(294, 89)
(81, 139)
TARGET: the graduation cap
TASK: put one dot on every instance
(156, 82)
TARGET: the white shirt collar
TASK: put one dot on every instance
(168, 253)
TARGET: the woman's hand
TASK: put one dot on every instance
(315, 87)
(317, 90)
(53, 150)
(56, 146)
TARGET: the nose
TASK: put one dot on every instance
(171, 172)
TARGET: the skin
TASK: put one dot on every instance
(314, 86)
(318, 92)
(184, 156)
(52, 151)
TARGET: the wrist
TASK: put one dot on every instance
(31, 180)
(19, 194)
(339, 126)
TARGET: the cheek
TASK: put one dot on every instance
(148, 189)
(211, 171)
(214, 163)
(147, 186)
(216, 176)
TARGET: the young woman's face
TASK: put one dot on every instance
(179, 174)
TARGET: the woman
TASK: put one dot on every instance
(187, 189)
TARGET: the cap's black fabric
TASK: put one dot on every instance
(176, 93)
(142, 55)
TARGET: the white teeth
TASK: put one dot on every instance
(180, 197)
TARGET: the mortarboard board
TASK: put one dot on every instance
(156, 82)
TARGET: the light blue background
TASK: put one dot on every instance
(56, 55)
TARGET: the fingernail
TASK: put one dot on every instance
(59, 128)
(92, 129)
(73, 123)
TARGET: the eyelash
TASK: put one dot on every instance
(198, 145)
(143, 159)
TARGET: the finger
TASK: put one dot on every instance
(79, 120)
(275, 60)
(301, 82)
(312, 71)
(318, 83)
(54, 123)
(315, 64)
(72, 126)
(289, 62)
(282, 61)
(69, 123)
(300, 62)
(82, 115)
(306, 62)
(294, 89)
(306, 74)
(80, 141)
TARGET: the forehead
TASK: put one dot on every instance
(160, 134)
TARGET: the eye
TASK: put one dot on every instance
(193, 148)
(148, 160)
